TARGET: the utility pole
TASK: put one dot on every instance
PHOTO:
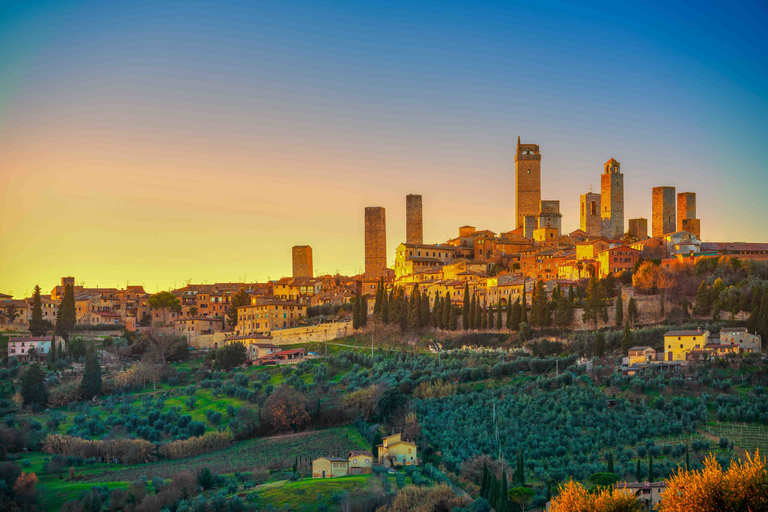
(557, 367)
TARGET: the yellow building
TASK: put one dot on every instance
(677, 344)
(360, 462)
(264, 317)
(330, 467)
(395, 452)
(640, 355)
(414, 258)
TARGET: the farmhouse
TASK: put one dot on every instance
(330, 467)
(360, 462)
(395, 452)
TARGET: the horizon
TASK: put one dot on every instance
(150, 144)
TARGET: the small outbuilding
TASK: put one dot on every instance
(330, 467)
(360, 462)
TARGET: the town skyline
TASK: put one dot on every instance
(155, 139)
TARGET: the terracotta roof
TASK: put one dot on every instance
(685, 333)
(364, 453)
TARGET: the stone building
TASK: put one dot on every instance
(612, 200)
(686, 213)
(530, 224)
(590, 215)
(414, 231)
(302, 261)
(638, 228)
(527, 183)
(549, 215)
(375, 241)
(663, 220)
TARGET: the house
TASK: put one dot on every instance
(262, 317)
(677, 344)
(360, 462)
(20, 347)
(639, 355)
(199, 325)
(647, 493)
(395, 452)
(330, 467)
(288, 355)
(748, 343)
(617, 260)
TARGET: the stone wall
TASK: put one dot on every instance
(414, 230)
(321, 332)
(302, 261)
(375, 241)
(639, 228)
(663, 220)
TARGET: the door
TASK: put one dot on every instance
(323, 474)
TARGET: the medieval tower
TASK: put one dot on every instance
(527, 181)
(375, 241)
(302, 261)
(638, 228)
(414, 231)
(663, 220)
(590, 215)
(686, 213)
(612, 200)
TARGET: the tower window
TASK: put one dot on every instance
(593, 208)
(529, 171)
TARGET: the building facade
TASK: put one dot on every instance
(414, 228)
(638, 228)
(663, 220)
(527, 182)
(678, 344)
(612, 200)
(375, 241)
(302, 261)
(589, 215)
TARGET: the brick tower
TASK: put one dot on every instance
(612, 200)
(527, 181)
(375, 241)
(638, 228)
(414, 232)
(686, 212)
(302, 261)
(590, 214)
(663, 220)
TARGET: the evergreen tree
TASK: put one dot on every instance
(363, 310)
(508, 322)
(33, 390)
(356, 312)
(484, 481)
(52, 353)
(478, 316)
(91, 383)
(491, 320)
(564, 313)
(619, 311)
(639, 471)
(594, 307)
(437, 312)
(538, 303)
(626, 340)
(239, 298)
(610, 462)
(632, 310)
(716, 312)
(571, 295)
(501, 504)
(599, 344)
(414, 319)
(687, 459)
(425, 319)
(483, 318)
(472, 307)
(37, 326)
(684, 306)
(445, 319)
(66, 317)
(379, 300)
(452, 320)
(762, 319)
(465, 309)
(702, 304)
(498, 316)
(651, 475)
(517, 315)
(520, 469)
(524, 306)
(547, 317)
(375, 443)
(384, 307)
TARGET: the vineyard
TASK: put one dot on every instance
(747, 436)
(278, 452)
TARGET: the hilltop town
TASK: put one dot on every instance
(491, 371)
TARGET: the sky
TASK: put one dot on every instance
(156, 142)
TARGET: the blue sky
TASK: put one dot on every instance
(281, 121)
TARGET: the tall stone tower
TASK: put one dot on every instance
(590, 214)
(612, 200)
(414, 231)
(527, 181)
(638, 228)
(686, 212)
(375, 241)
(663, 220)
(549, 215)
(302, 261)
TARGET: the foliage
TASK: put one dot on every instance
(91, 383)
(193, 446)
(231, 356)
(37, 326)
(66, 316)
(164, 301)
(573, 497)
(238, 299)
(33, 389)
(285, 409)
(126, 450)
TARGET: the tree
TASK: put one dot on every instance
(521, 496)
(11, 312)
(52, 353)
(193, 311)
(377, 440)
(520, 469)
(762, 318)
(231, 355)
(161, 342)
(651, 475)
(538, 302)
(238, 299)
(517, 314)
(286, 409)
(524, 306)
(491, 320)
(91, 383)
(626, 340)
(619, 311)
(563, 312)
(164, 301)
(356, 312)
(639, 471)
(448, 313)
(390, 401)
(437, 312)
(25, 491)
(632, 313)
(384, 307)
(702, 304)
(37, 326)
(600, 344)
(378, 303)
(594, 308)
(414, 309)
(466, 309)
(498, 316)
(424, 310)
(483, 317)
(66, 317)
(743, 486)
(33, 390)
(573, 497)
(363, 311)
(508, 319)
(684, 306)
(610, 462)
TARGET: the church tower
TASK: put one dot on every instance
(527, 181)
(612, 200)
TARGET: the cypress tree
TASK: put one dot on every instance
(571, 295)
(639, 471)
(52, 353)
(33, 390)
(484, 481)
(363, 311)
(483, 318)
(465, 309)
(478, 317)
(414, 310)
(384, 307)
(472, 304)
(377, 304)
(517, 315)
(437, 311)
(632, 310)
(651, 476)
(599, 344)
(452, 320)
(547, 316)
(524, 306)
(37, 325)
(716, 312)
(356, 312)
(702, 304)
(501, 504)
(619, 311)
(446, 313)
(684, 306)
(520, 470)
(610, 462)
(687, 459)
(491, 320)
(498, 316)
(66, 317)
(762, 318)
(425, 315)
(626, 340)
(91, 383)
(508, 319)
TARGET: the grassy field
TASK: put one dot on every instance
(246, 455)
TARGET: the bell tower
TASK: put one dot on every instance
(527, 181)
